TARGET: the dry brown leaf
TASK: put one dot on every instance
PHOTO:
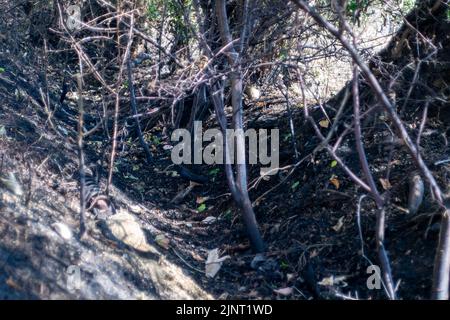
(162, 241)
(214, 263)
(335, 182)
(385, 184)
(12, 284)
(333, 281)
(327, 281)
(324, 123)
(197, 257)
(201, 200)
(253, 294)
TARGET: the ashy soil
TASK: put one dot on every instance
(307, 214)
(317, 248)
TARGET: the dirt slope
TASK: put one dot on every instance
(37, 259)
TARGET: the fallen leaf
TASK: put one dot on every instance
(324, 123)
(332, 281)
(284, 291)
(153, 110)
(327, 281)
(416, 192)
(197, 257)
(11, 283)
(223, 296)
(201, 208)
(162, 241)
(338, 225)
(264, 175)
(335, 182)
(295, 185)
(253, 294)
(200, 200)
(214, 263)
(290, 276)
(385, 184)
(214, 171)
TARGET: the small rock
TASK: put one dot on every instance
(135, 209)
(209, 220)
(124, 227)
(63, 230)
(253, 92)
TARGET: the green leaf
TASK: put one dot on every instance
(131, 177)
(156, 140)
(152, 10)
(214, 171)
(284, 265)
(333, 163)
(408, 5)
(201, 208)
(352, 6)
(295, 185)
(227, 215)
(2, 70)
(286, 136)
